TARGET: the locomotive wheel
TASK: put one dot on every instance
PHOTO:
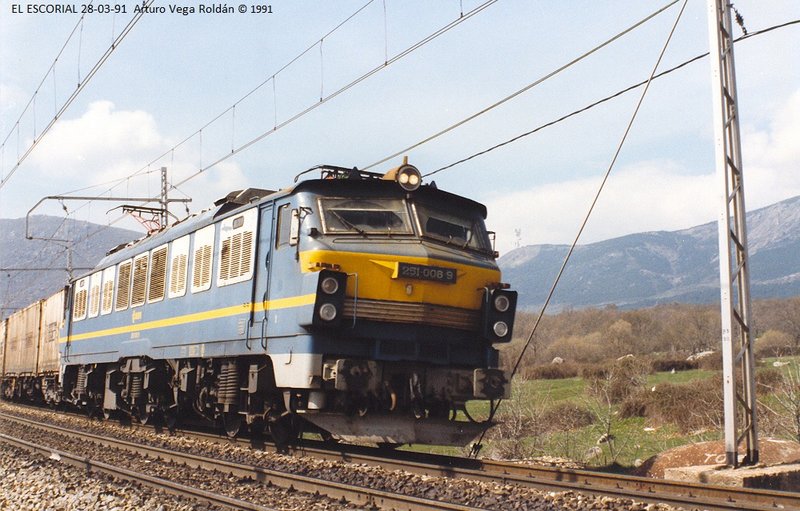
(171, 419)
(232, 421)
(93, 410)
(283, 431)
(143, 416)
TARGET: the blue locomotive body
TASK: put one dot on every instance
(359, 306)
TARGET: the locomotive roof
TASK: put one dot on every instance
(240, 200)
(387, 188)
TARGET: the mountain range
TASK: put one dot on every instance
(646, 269)
(45, 259)
(637, 270)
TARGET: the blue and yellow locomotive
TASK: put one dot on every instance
(362, 306)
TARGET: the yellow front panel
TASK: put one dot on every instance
(378, 278)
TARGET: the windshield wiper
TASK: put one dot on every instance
(469, 239)
(347, 223)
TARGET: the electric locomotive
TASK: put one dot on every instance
(362, 306)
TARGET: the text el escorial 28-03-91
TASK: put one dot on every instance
(185, 10)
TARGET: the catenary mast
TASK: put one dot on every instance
(738, 362)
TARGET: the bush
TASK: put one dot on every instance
(774, 343)
(594, 371)
(620, 379)
(578, 348)
(768, 379)
(635, 405)
(552, 371)
(712, 362)
(693, 406)
(566, 417)
(661, 365)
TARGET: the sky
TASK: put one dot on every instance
(174, 74)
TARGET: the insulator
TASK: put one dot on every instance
(228, 384)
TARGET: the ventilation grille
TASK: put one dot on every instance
(158, 275)
(79, 311)
(94, 300)
(201, 276)
(139, 281)
(177, 283)
(413, 313)
(108, 296)
(123, 290)
(235, 257)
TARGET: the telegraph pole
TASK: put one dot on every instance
(738, 361)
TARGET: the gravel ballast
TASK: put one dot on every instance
(490, 496)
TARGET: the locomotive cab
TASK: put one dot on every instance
(408, 304)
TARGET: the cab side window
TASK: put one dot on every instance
(284, 225)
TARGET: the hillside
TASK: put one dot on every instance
(632, 271)
(20, 288)
(645, 269)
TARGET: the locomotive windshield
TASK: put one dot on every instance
(366, 216)
(464, 230)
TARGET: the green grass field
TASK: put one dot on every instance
(635, 438)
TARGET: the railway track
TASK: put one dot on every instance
(682, 494)
(360, 496)
(687, 495)
(675, 493)
(166, 485)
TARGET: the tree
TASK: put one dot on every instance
(619, 336)
(774, 343)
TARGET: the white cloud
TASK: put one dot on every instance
(105, 144)
(99, 141)
(649, 196)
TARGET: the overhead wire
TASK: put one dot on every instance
(526, 88)
(589, 106)
(50, 70)
(588, 215)
(270, 78)
(81, 85)
(116, 182)
(343, 89)
(596, 103)
(388, 61)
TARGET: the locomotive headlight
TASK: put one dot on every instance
(330, 297)
(327, 311)
(498, 314)
(409, 178)
(501, 303)
(329, 285)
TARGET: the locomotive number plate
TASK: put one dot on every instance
(422, 272)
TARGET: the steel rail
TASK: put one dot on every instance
(131, 476)
(706, 496)
(356, 494)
